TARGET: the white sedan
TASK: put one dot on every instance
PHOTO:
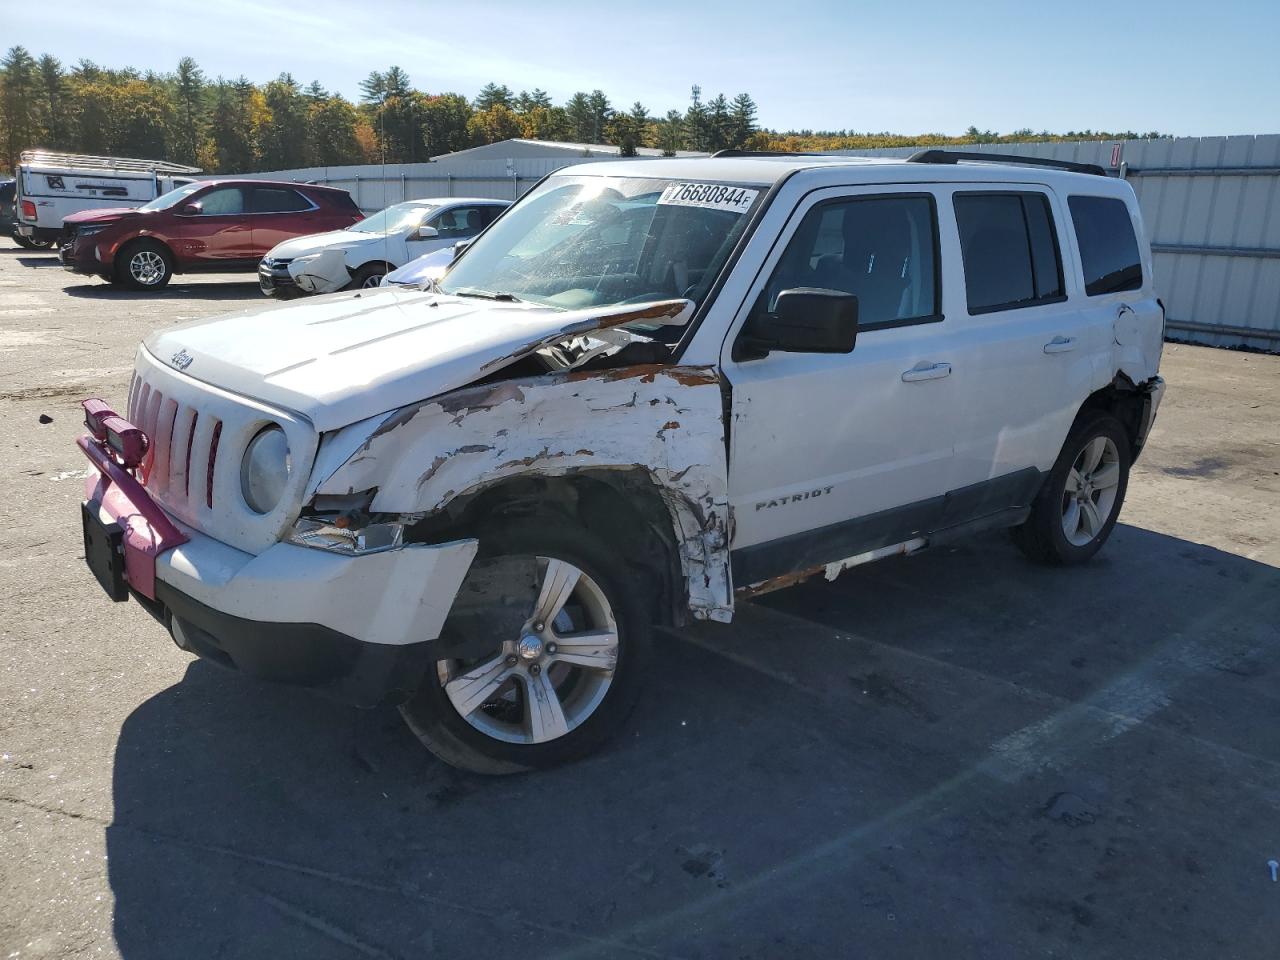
(361, 254)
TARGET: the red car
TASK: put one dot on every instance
(220, 225)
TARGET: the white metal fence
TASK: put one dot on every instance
(1211, 207)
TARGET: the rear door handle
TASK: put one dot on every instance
(926, 371)
(1060, 345)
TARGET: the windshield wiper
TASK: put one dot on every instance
(487, 295)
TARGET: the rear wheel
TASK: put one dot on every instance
(1079, 503)
(544, 654)
(31, 243)
(143, 265)
(368, 276)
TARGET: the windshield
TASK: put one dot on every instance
(167, 200)
(589, 241)
(395, 219)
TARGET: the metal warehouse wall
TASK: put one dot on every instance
(1211, 206)
(374, 186)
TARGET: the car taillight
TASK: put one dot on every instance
(28, 210)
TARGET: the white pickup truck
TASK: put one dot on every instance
(650, 389)
(53, 185)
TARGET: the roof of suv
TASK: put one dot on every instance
(768, 170)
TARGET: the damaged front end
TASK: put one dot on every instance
(324, 272)
(592, 406)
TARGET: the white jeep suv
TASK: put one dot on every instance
(650, 388)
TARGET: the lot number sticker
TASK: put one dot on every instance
(713, 195)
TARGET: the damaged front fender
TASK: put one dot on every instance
(324, 273)
(665, 420)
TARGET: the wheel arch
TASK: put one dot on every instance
(619, 506)
(125, 246)
(1124, 400)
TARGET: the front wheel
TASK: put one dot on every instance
(1079, 503)
(368, 276)
(143, 265)
(544, 653)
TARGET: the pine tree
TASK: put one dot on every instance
(19, 111)
(580, 118)
(601, 114)
(55, 119)
(718, 131)
(284, 137)
(697, 134)
(671, 133)
(742, 121)
(492, 95)
(189, 86)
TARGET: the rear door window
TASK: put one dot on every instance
(278, 200)
(1010, 250)
(1108, 247)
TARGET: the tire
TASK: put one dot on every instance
(144, 265)
(368, 276)
(1097, 450)
(30, 244)
(508, 656)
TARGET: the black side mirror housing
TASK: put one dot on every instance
(804, 320)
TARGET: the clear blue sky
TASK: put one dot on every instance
(1168, 65)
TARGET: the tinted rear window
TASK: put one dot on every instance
(1009, 249)
(1108, 247)
(278, 200)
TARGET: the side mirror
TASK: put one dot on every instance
(191, 209)
(459, 247)
(427, 233)
(804, 320)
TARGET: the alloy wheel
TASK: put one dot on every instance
(547, 680)
(1089, 496)
(147, 267)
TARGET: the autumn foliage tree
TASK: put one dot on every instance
(237, 126)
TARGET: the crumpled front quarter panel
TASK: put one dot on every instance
(666, 420)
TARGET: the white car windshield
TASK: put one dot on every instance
(397, 218)
(585, 241)
(167, 200)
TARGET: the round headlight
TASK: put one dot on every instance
(264, 472)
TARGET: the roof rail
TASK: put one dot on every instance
(766, 153)
(954, 156)
(79, 161)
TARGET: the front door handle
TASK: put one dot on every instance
(926, 371)
(1060, 345)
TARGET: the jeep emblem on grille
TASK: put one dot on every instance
(182, 359)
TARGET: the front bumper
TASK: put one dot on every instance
(80, 255)
(274, 279)
(359, 628)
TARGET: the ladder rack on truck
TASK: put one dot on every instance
(79, 161)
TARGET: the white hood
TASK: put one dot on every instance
(347, 356)
(339, 239)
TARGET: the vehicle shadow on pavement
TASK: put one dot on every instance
(231, 291)
(35, 260)
(957, 754)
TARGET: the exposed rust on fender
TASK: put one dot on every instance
(662, 310)
(777, 583)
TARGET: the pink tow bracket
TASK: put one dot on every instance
(116, 449)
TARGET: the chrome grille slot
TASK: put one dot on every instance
(198, 437)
